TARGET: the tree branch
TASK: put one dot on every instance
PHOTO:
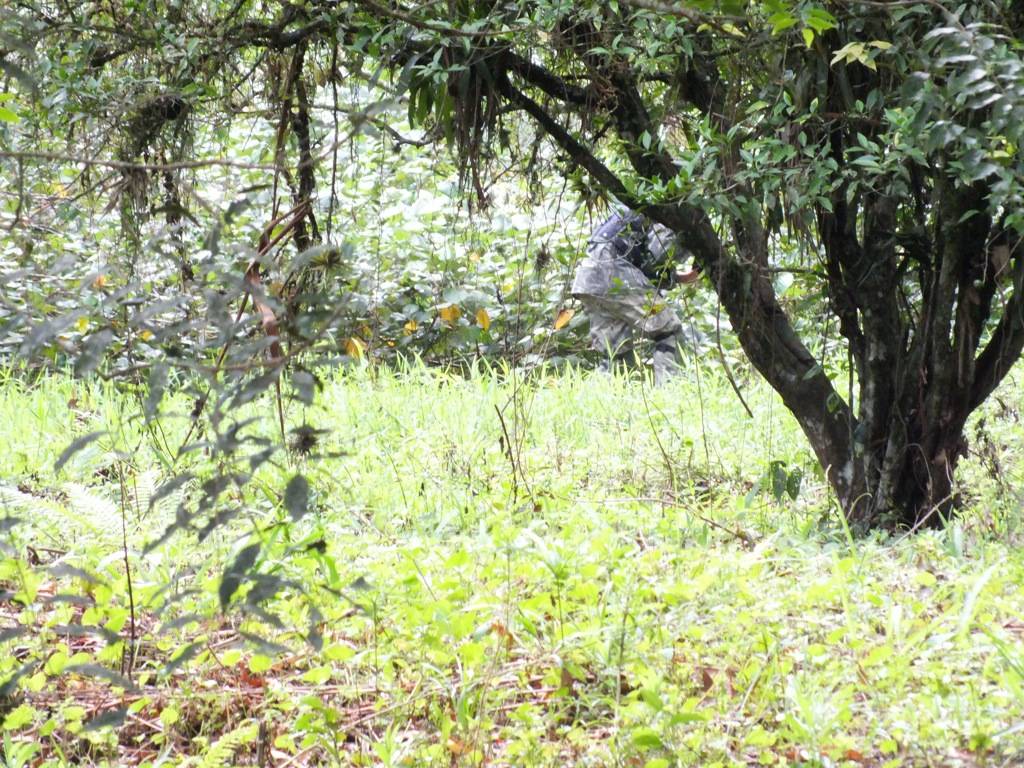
(399, 14)
(568, 143)
(276, 36)
(551, 84)
(1005, 346)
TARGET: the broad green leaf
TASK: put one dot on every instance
(647, 738)
(878, 656)
(260, 663)
(19, 717)
(782, 21)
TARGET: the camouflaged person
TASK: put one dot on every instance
(618, 283)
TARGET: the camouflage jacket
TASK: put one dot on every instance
(626, 253)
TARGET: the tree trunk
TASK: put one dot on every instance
(910, 277)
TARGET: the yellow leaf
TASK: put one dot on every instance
(410, 327)
(99, 282)
(474, 256)
(82, 324)
(146, 335)
(563, 318)
(483, 319)
(450, 314)
(457, 747)
(355, 347)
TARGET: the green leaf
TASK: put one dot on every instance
(8, 115)
(820, 20)
(941, 32)
(878, 655)
(967, 612)
(793, 482)
(260, 663)
(759, 737)
(169, 716)
(852, 52)
(317, 675)
(781, 21)
(647, 738)
(19, 717)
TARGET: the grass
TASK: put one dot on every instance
(570, 570)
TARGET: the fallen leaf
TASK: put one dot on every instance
(563, 318)
(355, 347)
(450, 314)
(483, 319)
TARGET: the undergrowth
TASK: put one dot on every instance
(573, 569)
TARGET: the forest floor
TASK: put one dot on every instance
(571, 570)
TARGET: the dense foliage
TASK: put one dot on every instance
(212, 204)
(614, 609)
(871, 151)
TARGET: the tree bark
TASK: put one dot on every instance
(747, 294)
(890, 456)
(920, 366)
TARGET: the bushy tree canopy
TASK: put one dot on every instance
(870, 148)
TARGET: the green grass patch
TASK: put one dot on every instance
(572, 569)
